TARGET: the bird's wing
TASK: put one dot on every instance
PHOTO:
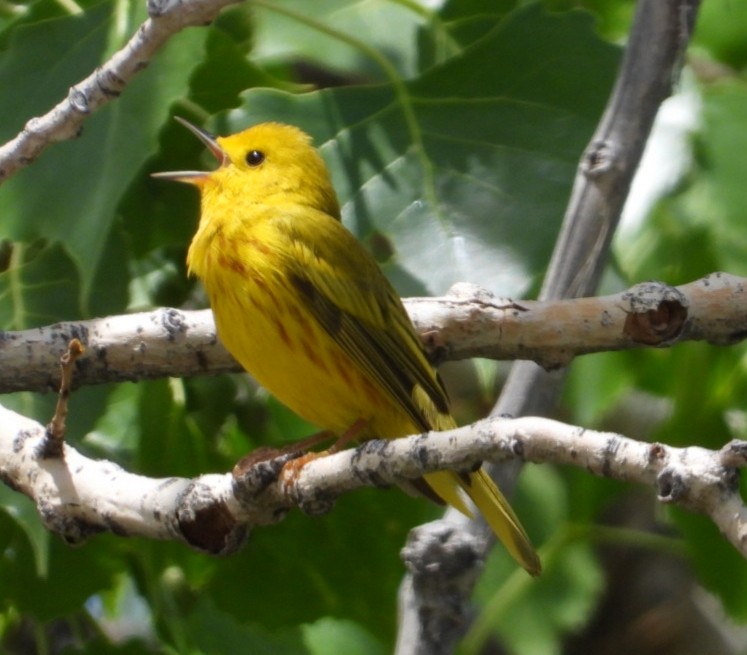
(344, 289)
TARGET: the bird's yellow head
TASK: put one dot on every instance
(269, 163)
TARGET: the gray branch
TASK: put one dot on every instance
(468, 322)
(653, 57)
(77, 496)
(65, 120)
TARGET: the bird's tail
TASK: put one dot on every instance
(493, 506)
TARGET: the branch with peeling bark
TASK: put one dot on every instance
(78, 497)
(653, 58)
(65, 120)
(468, 322)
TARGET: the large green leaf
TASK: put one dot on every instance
(41, 60)
(219, 633)
(39, 286)
(65, 588)
(71, 193)
(465, 170)
(333, 636)
(23, 513)
(344, 564)
(289, 30)
(469, 20)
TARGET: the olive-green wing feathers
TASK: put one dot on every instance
(350, 297)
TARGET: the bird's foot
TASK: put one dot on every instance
(292, 469)
(266, 453)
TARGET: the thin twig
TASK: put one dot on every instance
(56, 428)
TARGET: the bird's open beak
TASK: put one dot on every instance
(195, 177)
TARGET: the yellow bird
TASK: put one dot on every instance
(306, 310)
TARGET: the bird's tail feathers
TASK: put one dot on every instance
(501, 518)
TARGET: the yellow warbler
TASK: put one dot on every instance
(305, 309)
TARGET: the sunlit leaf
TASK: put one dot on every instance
(71, 193)
(477, 154)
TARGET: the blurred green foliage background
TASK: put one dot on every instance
(453, 134)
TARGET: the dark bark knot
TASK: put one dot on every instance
(174, 322)
(671, 487)
(210, 528)
(657, 314)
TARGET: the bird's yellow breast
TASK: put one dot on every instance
(262, 320)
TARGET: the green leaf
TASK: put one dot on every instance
(170, 443)
(225, 71)
(219, 633)
(613, 17)
(596, 385)
(42, 285)
(722, 29)
(115, 432)
(24, 514)
(321, 33)
(470, 20)
(55, 595)
(719, 566)
(36, 11)
(344, 564)
(71, 193)
(328, 635)
(39, 286)
(478, 154)
(38, 64)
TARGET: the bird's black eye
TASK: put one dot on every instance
(255, 157)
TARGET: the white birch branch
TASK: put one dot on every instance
(468, 322)
(77, 496)
(106, 83)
